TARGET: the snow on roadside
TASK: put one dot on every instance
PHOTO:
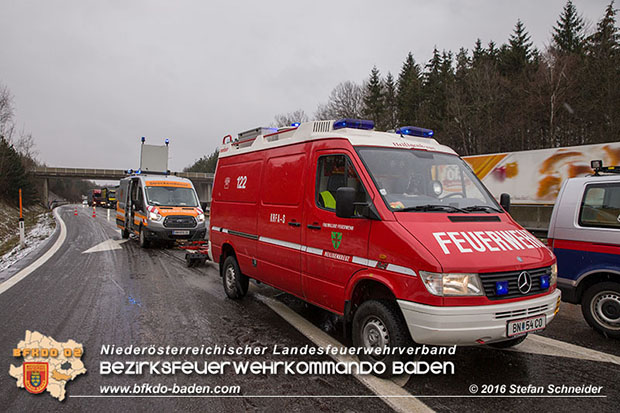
(34, 238)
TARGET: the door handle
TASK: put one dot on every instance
(314, 226)
(294, 224)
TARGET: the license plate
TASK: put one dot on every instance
(180, 232)
(526, 325)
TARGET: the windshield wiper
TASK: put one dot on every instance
(433, 207)
(485, 208)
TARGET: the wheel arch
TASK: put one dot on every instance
(227, 250)
(365, 286)
(591, 278)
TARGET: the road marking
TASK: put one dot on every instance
(108, 245)
(41, 260)
(392, 394)
(549, 347)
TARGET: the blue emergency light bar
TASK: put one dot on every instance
(295, 124)
(501, 288)
(415, 131)
(354, 123)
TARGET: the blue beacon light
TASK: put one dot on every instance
(415, 131)
(501, 288)
(354, 123)
(544, 282)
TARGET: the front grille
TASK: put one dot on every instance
(523, 312)
(489, 280)
(179, 221)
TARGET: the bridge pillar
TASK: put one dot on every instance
(46, 193)
(204, 191)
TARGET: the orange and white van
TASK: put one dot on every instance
(159, 207)
(391, 231)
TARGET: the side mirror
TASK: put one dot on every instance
(204, 206)
(137, 205)
(345, 198)
(504, 201)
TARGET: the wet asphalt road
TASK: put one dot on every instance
(149, 297)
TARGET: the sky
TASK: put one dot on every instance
(89, 78)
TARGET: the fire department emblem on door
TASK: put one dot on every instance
(336, 239)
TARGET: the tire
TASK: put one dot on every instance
(235, 283)
(144, 243)
(600, 306)
(124, 233)
(378, 324)
(510, 342)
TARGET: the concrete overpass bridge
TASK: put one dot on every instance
(203, 182)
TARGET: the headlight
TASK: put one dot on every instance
(200, 218)
(451, 284)
(155, 216)
(554, 274)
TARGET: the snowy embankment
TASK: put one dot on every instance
(39, 226)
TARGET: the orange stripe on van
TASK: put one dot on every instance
(175, 184)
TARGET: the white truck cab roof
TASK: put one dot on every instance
(267, 138)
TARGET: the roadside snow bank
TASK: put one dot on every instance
(35, 236)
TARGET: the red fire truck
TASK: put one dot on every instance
(390, 230)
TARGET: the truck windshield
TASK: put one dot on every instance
(171, 196)
(414, 180)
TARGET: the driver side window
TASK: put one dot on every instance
(333, 172)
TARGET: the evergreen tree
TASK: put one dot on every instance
(568, 34)
(205, 164)
(13, 176)
(373, 100)
(604, 42)
(433, 68)
(409, 91)
(478, 53)
(462, 64)
(519, 52)
(391, 106)
(600, 91)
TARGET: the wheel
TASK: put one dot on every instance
(600, 306)
(235, 283)
(124, 233)
(144, 243)
(510, 342)
(379, 324)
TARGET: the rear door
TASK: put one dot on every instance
(279, 220)
(334, 248)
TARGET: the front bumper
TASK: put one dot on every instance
(168, 234)
(471, 325)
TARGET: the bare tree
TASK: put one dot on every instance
(287, 119)
(345, 101)
(6, 110)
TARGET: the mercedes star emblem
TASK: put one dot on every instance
(524, 282)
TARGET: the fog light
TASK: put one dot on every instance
(544, 282)
(501, 288)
